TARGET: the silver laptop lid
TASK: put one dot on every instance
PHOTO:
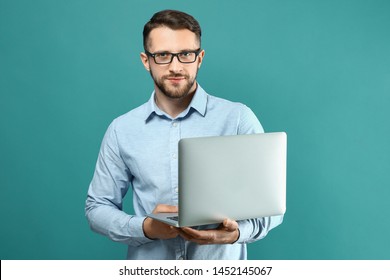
(237, 177)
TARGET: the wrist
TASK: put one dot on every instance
(237, 231)
(146, 228)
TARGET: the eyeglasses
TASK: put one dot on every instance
(166, 57)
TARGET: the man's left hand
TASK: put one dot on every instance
(226, 233)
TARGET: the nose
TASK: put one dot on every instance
(175, 65)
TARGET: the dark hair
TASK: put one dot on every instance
(172, 19)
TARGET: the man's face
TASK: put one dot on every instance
(174, 80)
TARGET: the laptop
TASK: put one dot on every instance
(237, 177)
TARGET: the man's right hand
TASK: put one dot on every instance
(154, 229)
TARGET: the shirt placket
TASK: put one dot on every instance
(173, 143)
(174, 149)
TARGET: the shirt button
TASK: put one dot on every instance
(181, 258)
(176, 189)
(174, 156)
(174, 124)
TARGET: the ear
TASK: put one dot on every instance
(200, 57)
(145, 61)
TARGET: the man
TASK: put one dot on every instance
(140, 150)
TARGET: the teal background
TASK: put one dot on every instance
(319, 70)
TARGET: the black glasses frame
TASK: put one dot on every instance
(196, 52)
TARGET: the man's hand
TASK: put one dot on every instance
(154, 229)
(226, 233)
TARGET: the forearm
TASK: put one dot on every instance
(117, 225)
(255, 229)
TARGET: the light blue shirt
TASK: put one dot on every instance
(139, 151)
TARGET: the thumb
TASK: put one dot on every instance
(230, 225)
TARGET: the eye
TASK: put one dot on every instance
(161, 55)
(185, 54)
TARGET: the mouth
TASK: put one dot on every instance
(176, 78)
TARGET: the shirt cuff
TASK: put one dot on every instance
(137, 232)
(245, 228)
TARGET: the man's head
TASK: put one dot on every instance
(173, 52)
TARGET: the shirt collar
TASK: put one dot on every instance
(198, 102)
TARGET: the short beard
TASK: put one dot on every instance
(176, 93)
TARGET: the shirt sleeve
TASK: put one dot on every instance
(248, 123)
(109, 185)
(253, 229)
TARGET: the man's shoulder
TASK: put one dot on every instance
(215, 102)
(223, 108)
(132, 117)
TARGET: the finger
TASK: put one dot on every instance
(165, 208)
(191, 238)
(174, 229)
(173, 232)
(185, 235)
(193, 234)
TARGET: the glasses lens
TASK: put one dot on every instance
(163, 58)
(187, 57)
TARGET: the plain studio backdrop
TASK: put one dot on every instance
(319, 70)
